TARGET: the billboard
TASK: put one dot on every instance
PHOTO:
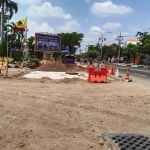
(65, 49)
(47, 42)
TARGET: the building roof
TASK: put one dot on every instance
(113, 45)
(133, 40)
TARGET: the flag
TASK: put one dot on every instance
(33, 41)
(20, 25)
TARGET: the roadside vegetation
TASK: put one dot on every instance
(13, 39)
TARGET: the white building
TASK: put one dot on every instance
(132, 41)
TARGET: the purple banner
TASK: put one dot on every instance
(47, 42)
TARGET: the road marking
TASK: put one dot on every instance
(140, 75)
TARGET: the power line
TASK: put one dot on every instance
(119, 38)
(130, 35)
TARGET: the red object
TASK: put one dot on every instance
(103, 66)
(97, 74)
(19, 29)
(111, 70)
(127, 75)
(91, 76)
(104, 74)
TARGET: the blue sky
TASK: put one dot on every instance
(86, 16)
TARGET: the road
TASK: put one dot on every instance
(139, 75)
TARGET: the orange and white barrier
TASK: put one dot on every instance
(97, 74)
(127, 78)
(111, 70)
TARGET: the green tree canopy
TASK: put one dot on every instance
(132, 50)
(144, 44)
(109, 51)
(71, 39)
(92, 48)
(8, 8)
(93, 54)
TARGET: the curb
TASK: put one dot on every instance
(143, 66)
(136, 66)
(114, 77)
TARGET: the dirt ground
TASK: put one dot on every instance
(68, 115)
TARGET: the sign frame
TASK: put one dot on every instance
(47, 42)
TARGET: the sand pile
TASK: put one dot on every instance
(57, 66)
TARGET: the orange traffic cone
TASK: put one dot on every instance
(111, 70)
(127, 79)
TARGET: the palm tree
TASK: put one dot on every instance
(13, 36)
(18, 35)
(8, 8)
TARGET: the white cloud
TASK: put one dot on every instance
(95, 28)
(69, 26)
(46, 10)
(36, 28)
(111, 25)
(105, 9)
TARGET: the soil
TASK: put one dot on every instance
(68, 115)
(57, 66)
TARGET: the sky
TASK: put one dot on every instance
(93, 18)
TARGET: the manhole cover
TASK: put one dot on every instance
(127, 141)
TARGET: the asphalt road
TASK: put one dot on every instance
(139, 75)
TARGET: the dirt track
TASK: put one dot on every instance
(69, 116)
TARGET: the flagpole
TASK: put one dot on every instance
(26, 31)
(24, 35)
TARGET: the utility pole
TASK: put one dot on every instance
(119, 39)
(87, 46)
(102, 39)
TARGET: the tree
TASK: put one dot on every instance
(92, 48)
(8, 7)
(109, 51)
(3, 49)
(93, 54)
(13, 34)
(31, 45)
(13, 37)
(144, 44)
(71, 39)
(132, 50)
(98, 47)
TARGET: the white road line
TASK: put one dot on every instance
(140, 75)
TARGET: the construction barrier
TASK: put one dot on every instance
(111, 70)
(97, 74)
(127, 79)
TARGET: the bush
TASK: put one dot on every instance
(35, 60)
(10, 60)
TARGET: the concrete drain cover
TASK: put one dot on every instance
(127, 141)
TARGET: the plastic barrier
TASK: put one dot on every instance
(104, 72)
(111, 70)
(91, 76)
(127, 79)
(97, 74)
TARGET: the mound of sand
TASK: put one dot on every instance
(57, 66)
